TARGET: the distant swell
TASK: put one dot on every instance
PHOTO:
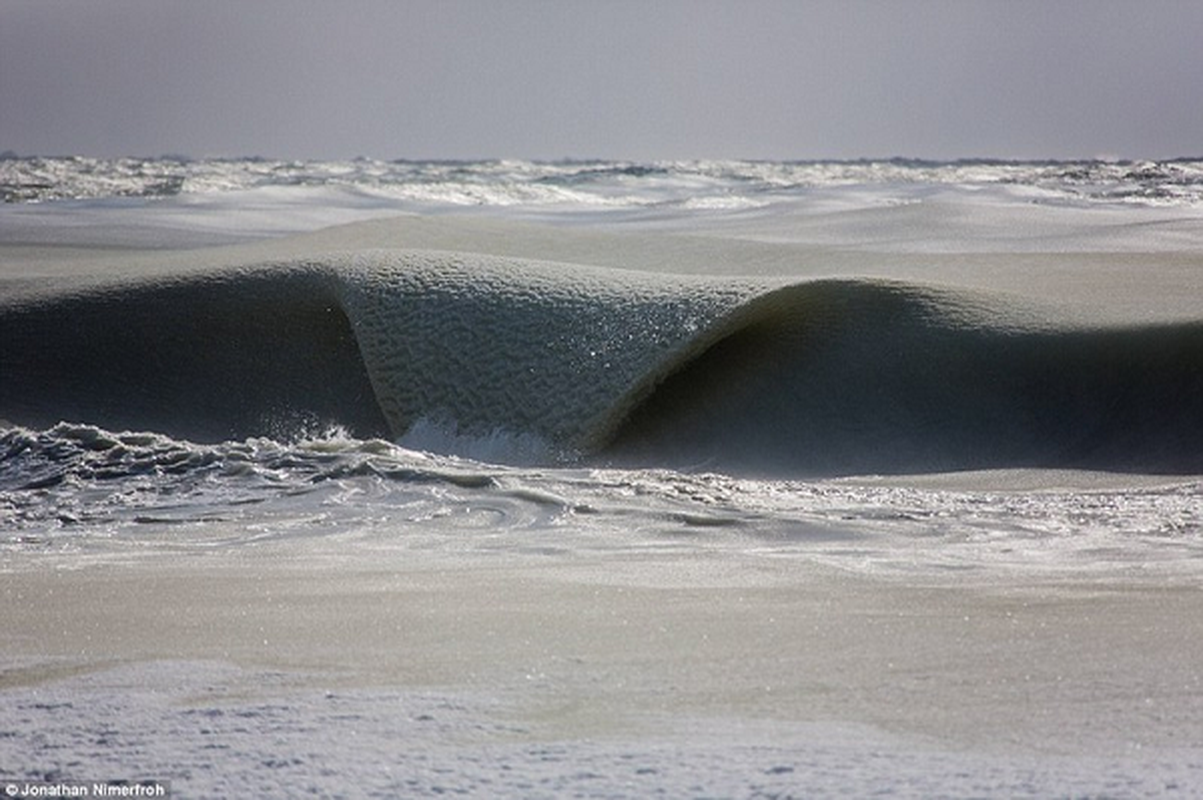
(820, 377)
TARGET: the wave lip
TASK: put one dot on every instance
(819, 377)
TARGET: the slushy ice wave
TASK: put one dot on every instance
(819, 377)
(757, 354)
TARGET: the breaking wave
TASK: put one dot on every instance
(565, 363)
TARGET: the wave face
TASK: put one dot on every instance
(820, 377)
(226, 355)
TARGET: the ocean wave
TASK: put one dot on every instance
(818, 377)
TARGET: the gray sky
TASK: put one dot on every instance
(646, 79)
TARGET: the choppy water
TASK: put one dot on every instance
(606, 184)
(81, 494)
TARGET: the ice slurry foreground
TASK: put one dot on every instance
(847, 480)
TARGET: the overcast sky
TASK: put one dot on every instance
(644, 79)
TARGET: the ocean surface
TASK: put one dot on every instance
(895, 367)
(602, 479)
